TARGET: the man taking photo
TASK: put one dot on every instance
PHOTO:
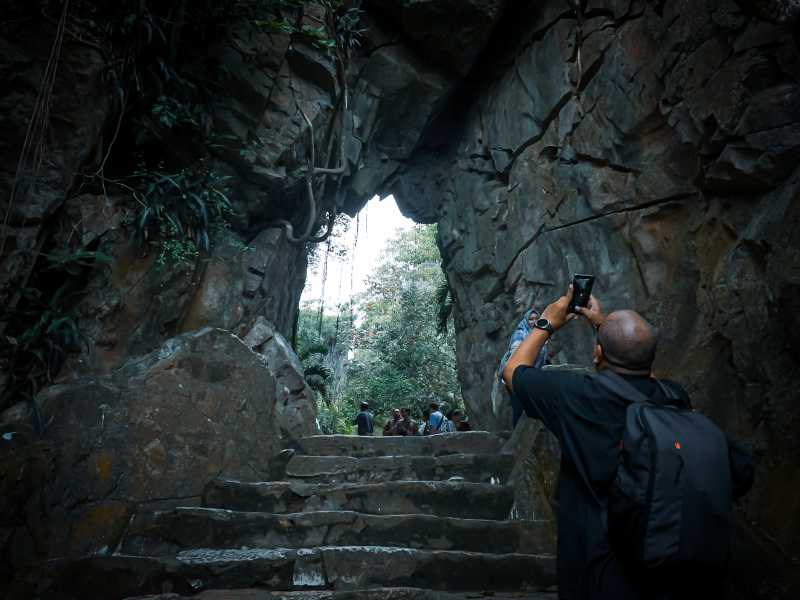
(640, 546)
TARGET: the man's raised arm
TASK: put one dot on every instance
(554, 317)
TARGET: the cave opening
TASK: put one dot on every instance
(375, 319)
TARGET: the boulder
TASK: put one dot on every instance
(24, 468)
(152, 432)
(296, 407)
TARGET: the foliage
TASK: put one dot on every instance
(44, 327)
(395, 354)
(73, 262)
(171, 112)
(348, 33)
(335, 418)
(400, 356)
(182, 211)
(322, 346)
(54, 333)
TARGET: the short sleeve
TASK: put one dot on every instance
(541, 394)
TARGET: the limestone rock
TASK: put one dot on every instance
(295, 409)
(154, 431)
(452, 33)
(446, 498)
(24, 469)
(167, 532)
(475, 468)
(342, 568)
(778, 11)
(132, 304)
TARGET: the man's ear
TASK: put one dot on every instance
(597, 354)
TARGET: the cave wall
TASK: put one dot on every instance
(154, 397)
(655, 145)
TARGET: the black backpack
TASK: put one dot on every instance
(670, 503)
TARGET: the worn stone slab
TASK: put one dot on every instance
(470, 442)
(371, 594)
(443, 498)
(343, 568)
(476, 468)
(360, 566)
(165, 532)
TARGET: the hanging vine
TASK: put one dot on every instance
(347, 35)
(33, 148)
(352, 280)
(338, 311)
(322, 291)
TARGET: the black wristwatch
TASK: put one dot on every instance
(544, 324)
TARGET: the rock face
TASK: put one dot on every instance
(654, 145)
(450, 33)
(154, 431)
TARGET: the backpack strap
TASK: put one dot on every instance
(439, 426)
(668, 391)
(616, 383)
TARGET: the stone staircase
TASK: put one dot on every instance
(354, 518)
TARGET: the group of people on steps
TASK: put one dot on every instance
(402, 423)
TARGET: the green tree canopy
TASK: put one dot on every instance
(400, 358)
(391, 351)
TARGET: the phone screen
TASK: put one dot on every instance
(581, 291)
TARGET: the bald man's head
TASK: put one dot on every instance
(628, 341)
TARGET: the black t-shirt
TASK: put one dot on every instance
(364, 421)
(588, 420)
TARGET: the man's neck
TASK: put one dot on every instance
(605, 366)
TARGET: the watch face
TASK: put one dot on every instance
(542, 323)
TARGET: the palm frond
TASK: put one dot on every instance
(316, 348)
(444, 303)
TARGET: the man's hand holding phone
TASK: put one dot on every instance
(577, 301)
(593, 312)
(558, 313)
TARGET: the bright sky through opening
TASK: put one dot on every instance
(378, 223)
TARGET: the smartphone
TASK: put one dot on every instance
(581, 291)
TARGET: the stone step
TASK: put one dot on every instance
(443, 498)
(338, 567)
(371, 594)
(476, 442)
(476, 468)
(166, 532)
